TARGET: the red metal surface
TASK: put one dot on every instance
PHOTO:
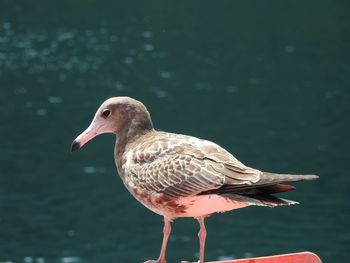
(303, 257)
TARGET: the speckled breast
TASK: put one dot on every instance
(157, 202)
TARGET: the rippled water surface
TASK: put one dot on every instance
(268, 81)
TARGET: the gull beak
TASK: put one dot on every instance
(91, 132)
(75, 146)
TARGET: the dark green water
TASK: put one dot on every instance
(268, 80)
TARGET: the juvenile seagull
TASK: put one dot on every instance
(178, 175)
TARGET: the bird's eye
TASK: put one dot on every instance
(105, 113)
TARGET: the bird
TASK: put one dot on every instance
(177, 175)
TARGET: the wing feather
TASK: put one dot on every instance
(179, 165)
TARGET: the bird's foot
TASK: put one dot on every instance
(155, 261)
(185, 261)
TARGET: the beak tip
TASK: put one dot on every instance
(75, 146)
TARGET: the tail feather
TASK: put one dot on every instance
(276, 188)
(261, 192)
(282, 178)
(269, 183)
(270, 200)
(260, 199)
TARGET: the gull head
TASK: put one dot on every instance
(113, 116)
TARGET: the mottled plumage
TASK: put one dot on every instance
(178, 175)
(169, 166)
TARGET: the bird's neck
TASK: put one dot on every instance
(138, 126)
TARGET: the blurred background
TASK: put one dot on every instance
(267, 80)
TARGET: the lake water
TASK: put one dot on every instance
(269, 81)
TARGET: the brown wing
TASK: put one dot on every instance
(179, 165)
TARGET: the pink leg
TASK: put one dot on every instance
(202, 234)
(166, 234)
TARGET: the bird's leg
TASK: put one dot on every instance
(202, 234)
(166, 234)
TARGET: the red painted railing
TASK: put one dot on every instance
(303, 257)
